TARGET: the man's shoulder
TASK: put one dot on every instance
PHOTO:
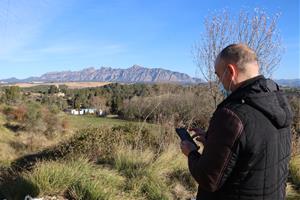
(239, 107)
(229, 115)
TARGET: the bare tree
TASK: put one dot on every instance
(256, 29)
(99, 102)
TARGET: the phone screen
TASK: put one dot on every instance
(184, 135)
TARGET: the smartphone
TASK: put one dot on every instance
(184, 135)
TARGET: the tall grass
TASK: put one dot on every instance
(136, 165)
(291, 192)
(119, 162)
(151, 175)
(75, 179)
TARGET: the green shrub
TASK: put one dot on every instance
(295, 170)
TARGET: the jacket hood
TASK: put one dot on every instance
(265, 96)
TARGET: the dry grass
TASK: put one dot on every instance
(120, 161)
(73, 179)
(129, 169)
(292, 193)
(295, 170)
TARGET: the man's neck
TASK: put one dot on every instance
(242, 80)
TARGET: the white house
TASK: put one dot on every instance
(100, 113)
(85, 111)
(60, 94)
(89, 111)
(77, 112)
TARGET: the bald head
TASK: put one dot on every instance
(235, 64)
(241, 55)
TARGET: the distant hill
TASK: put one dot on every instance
(289, 82)
(133, 74)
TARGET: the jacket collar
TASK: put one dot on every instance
(248, 82)
(240, 91)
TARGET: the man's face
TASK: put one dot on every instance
(222, 72)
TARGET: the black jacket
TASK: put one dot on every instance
(248, 145)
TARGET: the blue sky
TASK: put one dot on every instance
(39, 36)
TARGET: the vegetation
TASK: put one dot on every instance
(11, 94)
(295, 170)
(46, 152)
(32, 117)
(104, 163)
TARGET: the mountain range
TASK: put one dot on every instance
(289, 82)
(133, 74)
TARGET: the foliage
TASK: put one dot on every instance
(187, 109)
(107, 163)
(12, 94)
(33, 117)
(53, 89)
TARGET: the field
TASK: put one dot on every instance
(101, 158)
(78, 122)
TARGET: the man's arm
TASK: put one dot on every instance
(212, 168)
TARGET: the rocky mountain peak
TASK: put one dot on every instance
(136, 67)
(136, 73)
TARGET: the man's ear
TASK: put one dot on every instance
(232, 70)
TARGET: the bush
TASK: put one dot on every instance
(295, 170)
(12, 94)
(35, 118)
(295, 106)
(51, 122)
(183, 109)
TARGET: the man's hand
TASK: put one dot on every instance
(187, 147)
(199, 134)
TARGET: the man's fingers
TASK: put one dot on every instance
(196, 135)
(185, 143)
(198, 132)
(200, 139)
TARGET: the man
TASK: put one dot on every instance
(248, 142)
